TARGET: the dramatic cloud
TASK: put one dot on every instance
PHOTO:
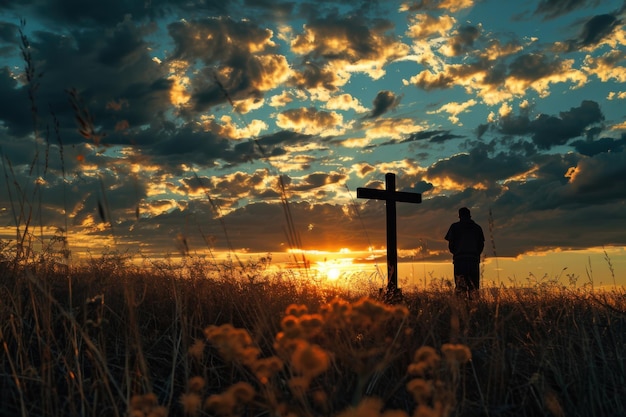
(548, 131)
(384, 101)
(554, 8)
(139, 124)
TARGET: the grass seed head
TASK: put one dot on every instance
(296, 310)
(425, 360)
(371, 407)
(456, 353)
(421, 390)
(191, 403)
(266, 368)
(242, 391)
(196, 350)
(196, 384)
(146, 405)
(310, 360)
(423, 410)
(232, 344)
(220, 404)
(225, 404)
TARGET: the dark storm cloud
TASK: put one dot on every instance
(14, 106)
(551, 9)
(170, 146)
(496, 74)
(463, 39)
(351, 38)
(533, 66)
(283, 137)
(123, 45)
(540, 207)
(229, 188)
(188, 144)
(593, 147)
(478, 167)
(600, 179)
(313, 76)
(273, 144)
(103, 68)
(215, 40)
(548, 131)
(597, 28)
(355, 30)
(433, 136)
(72, 13)
(593, 32)
(319, 226)
(318, 179)
(80, 195)
(384, 101)
(567, 183)
(9, 33)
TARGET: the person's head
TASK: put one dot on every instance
(464, 213)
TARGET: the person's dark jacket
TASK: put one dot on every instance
(465, 240)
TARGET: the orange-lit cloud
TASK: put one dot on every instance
(454, 109)
(311, 121)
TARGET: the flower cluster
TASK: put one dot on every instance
(355, 339)
(146, 405)
(435, 396)
(228, 402)
(236, 345)
(371, 407)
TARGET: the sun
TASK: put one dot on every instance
(333, 273)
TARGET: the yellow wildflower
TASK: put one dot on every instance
(232, 343)
(296, 310)
(311, 324)
(242, 391)
(369, 311)
(310, 360)
(371, 407)
(144, 403)
(191, 403)
(196, 384)
(196, 350)
(425, 360)
(265, 368)
(224, 404)
(220, 404)
(421, 390)
(456, 353)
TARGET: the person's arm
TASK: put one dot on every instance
(451, 240)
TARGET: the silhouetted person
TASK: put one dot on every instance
(466, 242)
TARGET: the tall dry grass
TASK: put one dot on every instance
(166, 338)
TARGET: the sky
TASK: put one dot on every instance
(245, 127)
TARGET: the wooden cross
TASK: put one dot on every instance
(390, 195)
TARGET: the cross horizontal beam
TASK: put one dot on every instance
(398, 196)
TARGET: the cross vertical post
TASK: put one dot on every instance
(391, 196)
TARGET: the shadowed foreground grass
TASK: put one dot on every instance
(109, 338)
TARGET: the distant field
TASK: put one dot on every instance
(111, 338)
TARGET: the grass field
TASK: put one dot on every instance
(112, 338)
(109, 337)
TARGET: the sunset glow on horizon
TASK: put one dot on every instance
(218, 129)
